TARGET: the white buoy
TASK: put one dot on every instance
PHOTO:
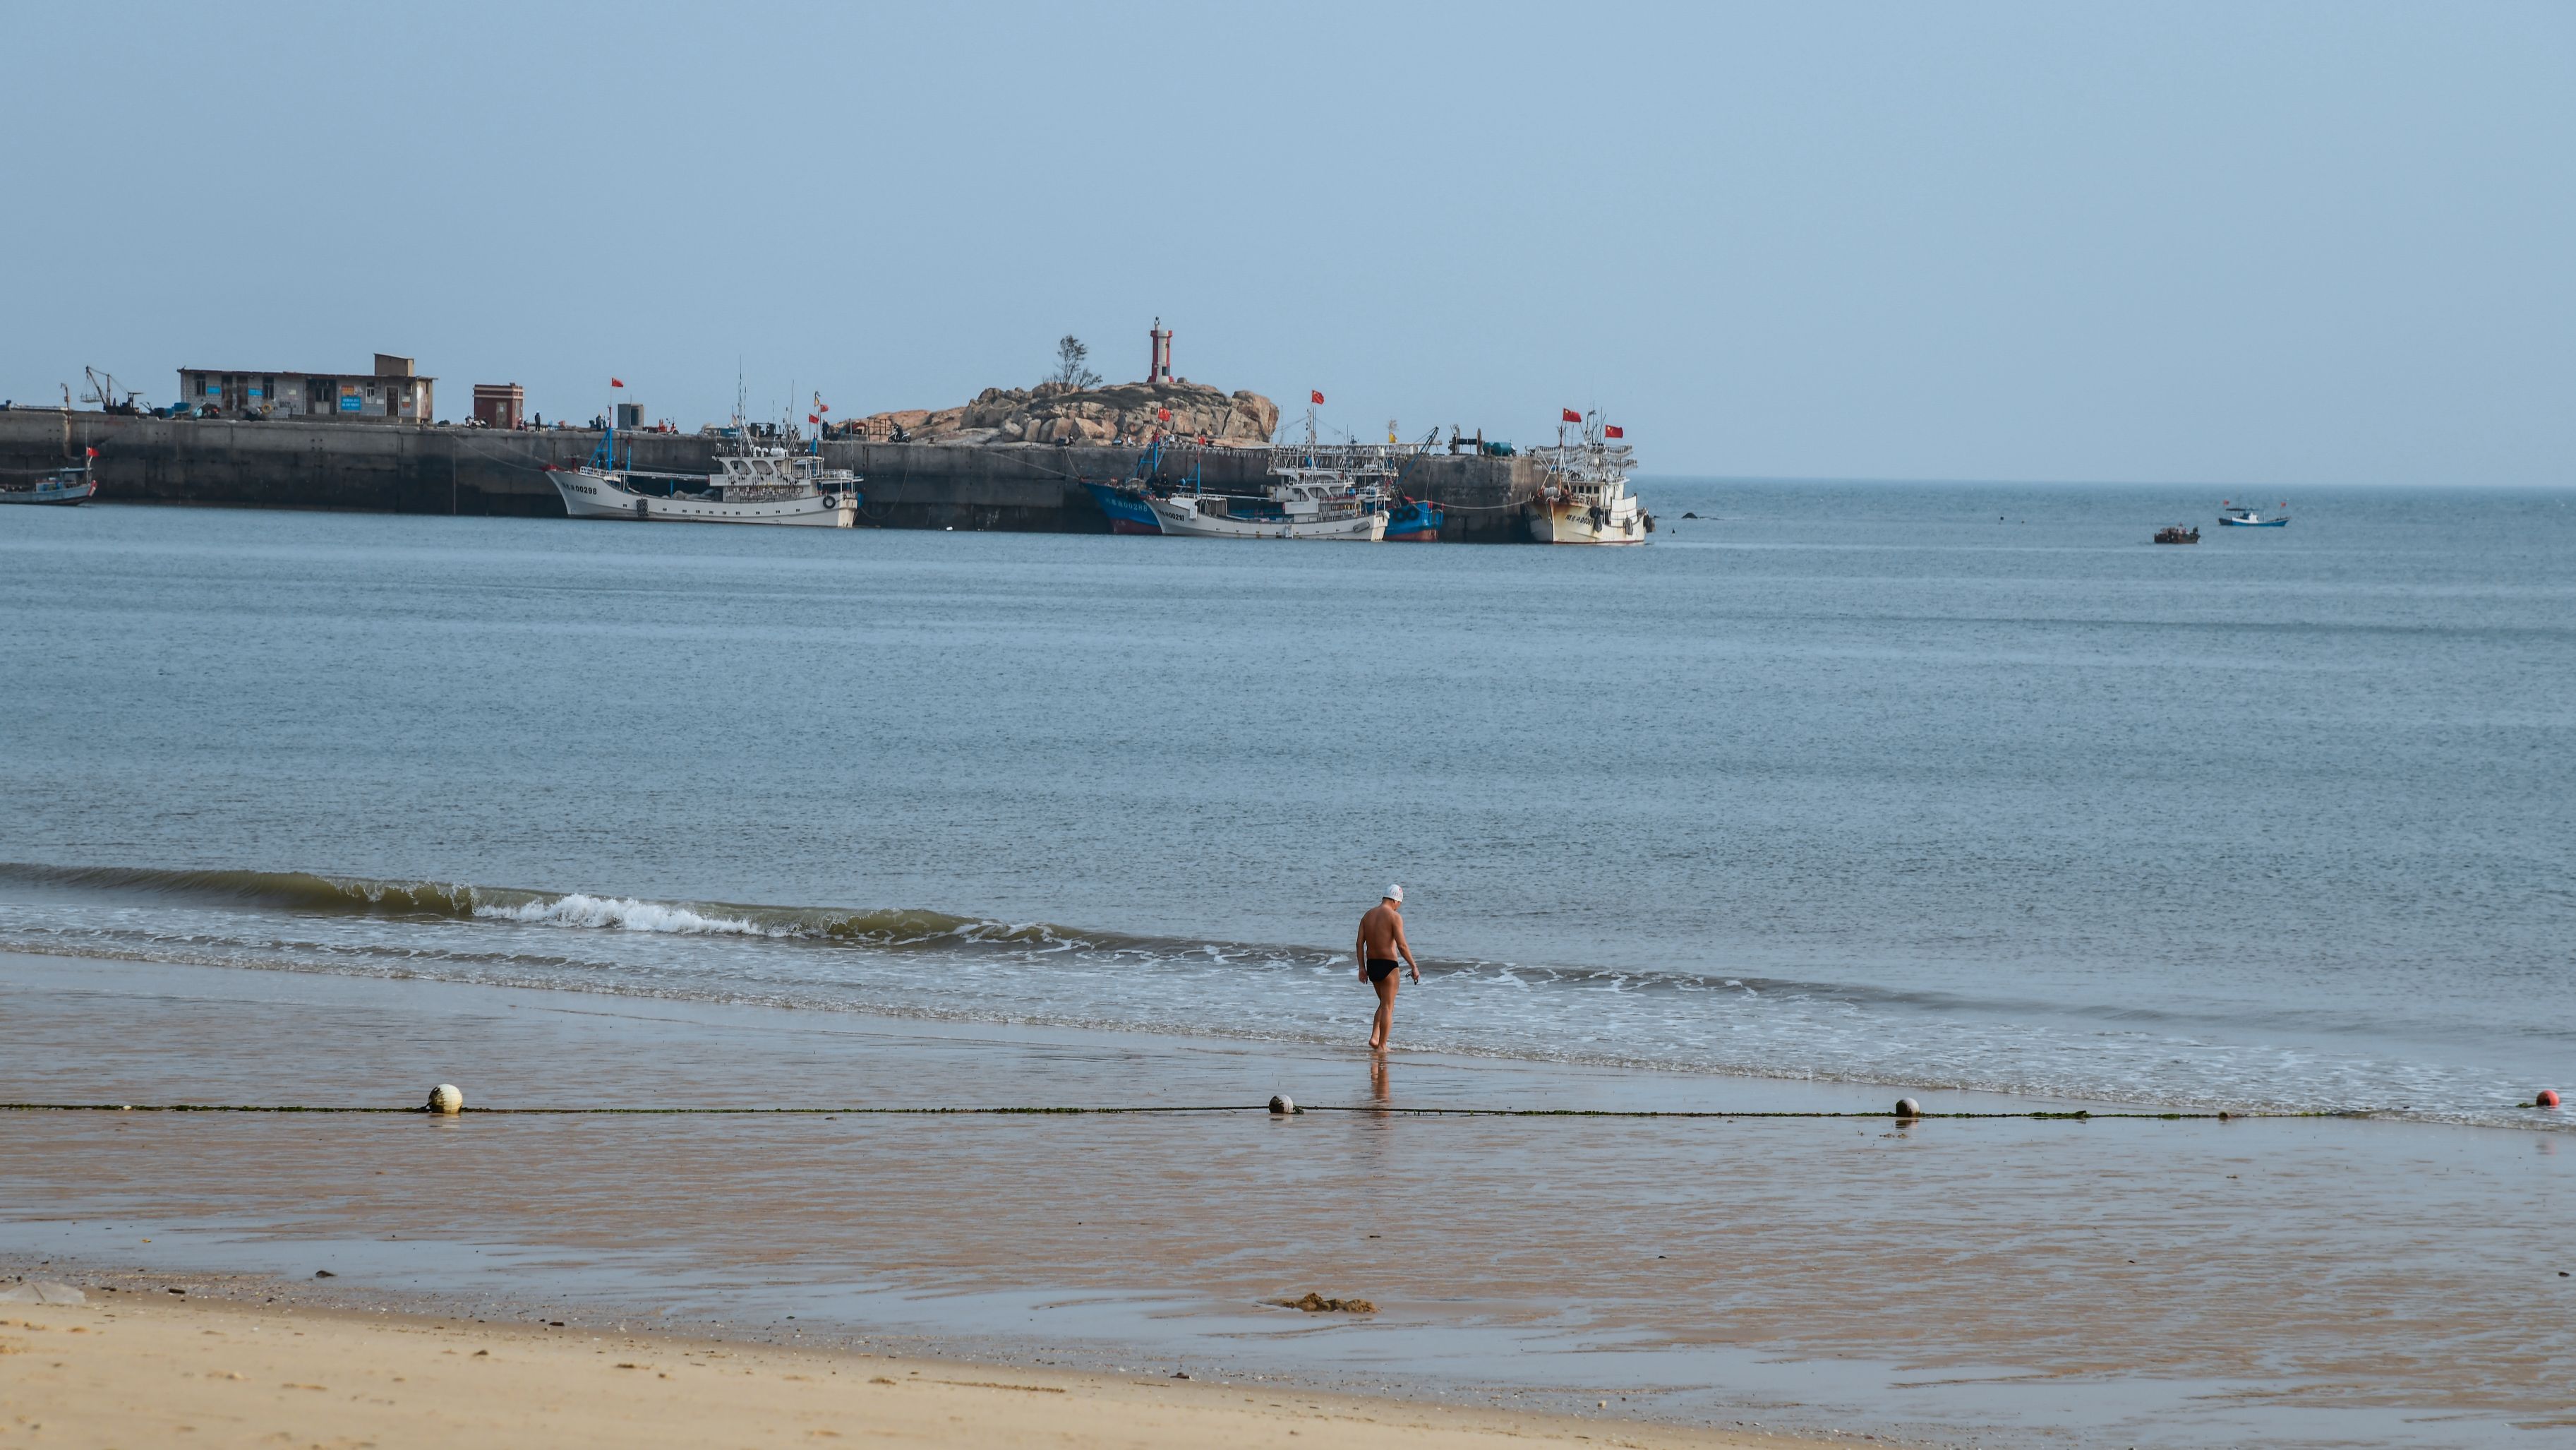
(1280, 1103)
(444, 1098)
(1908, 1108)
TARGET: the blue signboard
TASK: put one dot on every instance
(350, 401)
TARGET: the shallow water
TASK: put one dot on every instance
(2011, 1281)
(1930, 785)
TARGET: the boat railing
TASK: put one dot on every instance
(1363, 458)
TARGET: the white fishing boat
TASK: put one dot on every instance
(1315, 490)
(1585, 499)
(62, 486)
(2246, 516)
(1281, 511)
(758, 481)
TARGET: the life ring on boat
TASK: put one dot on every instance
(831, 501)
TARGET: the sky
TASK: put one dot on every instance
(2051, 242)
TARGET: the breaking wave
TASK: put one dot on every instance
(311, 892)
(292, 890)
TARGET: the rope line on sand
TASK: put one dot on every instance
(2079, 1115)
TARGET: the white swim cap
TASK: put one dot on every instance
(1395, 894)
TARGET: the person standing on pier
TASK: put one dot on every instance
(1381, 942)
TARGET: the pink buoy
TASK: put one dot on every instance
(2548, 1098)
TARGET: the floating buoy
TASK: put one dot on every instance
(1281, 1103)
(445, 1098)
(2548, 1098)
(1908, 1108)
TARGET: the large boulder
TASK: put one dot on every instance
(1053, 413)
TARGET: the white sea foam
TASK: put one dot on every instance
(622, 913)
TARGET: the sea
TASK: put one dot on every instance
(1929, 785)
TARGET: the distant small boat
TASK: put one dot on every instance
(2246, 516)
(65, 486)
(2177, 534)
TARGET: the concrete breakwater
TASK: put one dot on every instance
(422, 469)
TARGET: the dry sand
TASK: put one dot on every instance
(183, 1374)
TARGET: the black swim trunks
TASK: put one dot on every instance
(1379, 970)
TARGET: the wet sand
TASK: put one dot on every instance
(168, 1373)
(2292, 1281)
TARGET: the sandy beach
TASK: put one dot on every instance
(131, 1374)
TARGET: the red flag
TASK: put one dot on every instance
(810, 418)
(617, 382)
(1318, 397)
(1572, 416)
(1614, 431)
(92, 452)
(1163, 415)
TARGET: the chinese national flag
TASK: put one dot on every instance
(810, 418)
(1614, 431)
(1318, 397)
(1163, 415)
(1572, 416)
(92, 452)
(617, 382)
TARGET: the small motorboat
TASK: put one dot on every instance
(2247, 516)
(2177, 534)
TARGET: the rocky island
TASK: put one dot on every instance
(1064, 414)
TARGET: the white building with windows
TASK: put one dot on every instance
(394, 393)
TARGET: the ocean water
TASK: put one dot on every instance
(1928, 785)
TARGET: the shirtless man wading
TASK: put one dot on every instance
(1381, 942)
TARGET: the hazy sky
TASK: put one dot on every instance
(2229, 242)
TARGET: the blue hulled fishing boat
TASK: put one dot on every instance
(1415, 521)
(1125, 504)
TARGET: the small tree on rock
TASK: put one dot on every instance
(1070, 355)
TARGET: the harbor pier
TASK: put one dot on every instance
(435, 469)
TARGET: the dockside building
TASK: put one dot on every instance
(394, 392)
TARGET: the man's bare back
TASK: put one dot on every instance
(1380, 944)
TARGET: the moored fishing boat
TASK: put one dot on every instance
(63, 486)
(1585, 499)
(1415, 521)
(1314, 490)
(1306, 504)
(1126, 505)
(758, 481)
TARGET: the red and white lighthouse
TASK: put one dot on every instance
(1161, 371)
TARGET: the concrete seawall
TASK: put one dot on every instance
(426, 469)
